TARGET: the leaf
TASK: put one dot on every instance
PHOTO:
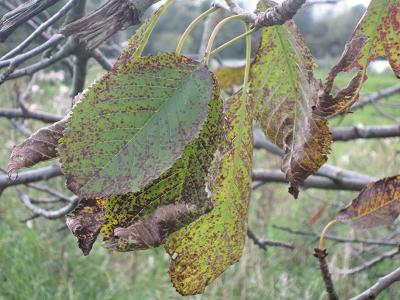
(131, 126)
(285, 93)
(41, 146)
(377, 35)
(229, 76)
(377, 204)
(205, 248)
(145, 218)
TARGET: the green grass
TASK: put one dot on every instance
(43, 263)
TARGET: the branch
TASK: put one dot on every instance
(321, 255)
(62, 12)
(101, 59)
(264, 244)
(368, 132)
(27, 114)
(313, 181)
(370, 263)
(13, 19)
(14, 62)
(30, 176)
(49, 214)
(379, 286)
(336, 239)
(276, 15)
(374, 97)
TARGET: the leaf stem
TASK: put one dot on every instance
(217, 28)
(234, 40)
(248, 60)
(192, 25)
(322, 236)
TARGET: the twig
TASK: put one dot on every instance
(374, 97)
(21, 14)
(335, 238)
(367, 132)
(321, 255)
(30, 176)
(313, 181)
(62, 12)
(379, 286)
(370, 263)
(264, 244)
(49, 214)
(101, 59)
(35, 115)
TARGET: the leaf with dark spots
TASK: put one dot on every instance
(285, 93)
(41, 146)
(377, 35)
(377, 204)
(145, 218)
(85, 222)
(204, 249)
(132, 125)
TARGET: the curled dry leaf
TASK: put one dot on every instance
(377, 35)
(377, 204)
(41, 146)
(204, 249)
(286, 93)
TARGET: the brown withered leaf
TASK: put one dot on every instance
(41, 146)
(377, 35)
(85, 222)
(285, 93)
(377, 204)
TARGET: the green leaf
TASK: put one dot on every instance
(285, 94)
(377, 204)
(132, 125)
(43, 144)
(377, 35)
(145, 218)
(205, 248)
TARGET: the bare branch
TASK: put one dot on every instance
(27, 114)
(374, 97)
(11, 20)
(62, 12)
(313, 181)
(321, 255)
(370, 263)
(264, 244)
(101, 59)
(49, 214)
(379, 286)
(30, 176)
(14, 62)
(335, 238)
(367, 132)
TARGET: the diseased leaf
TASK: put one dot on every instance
(204, 249)
(285, 93)
(131, 126)
(41, 146)
(85, 222)
(377, 35)
(377, 204)
(229, 77)
(145, 218)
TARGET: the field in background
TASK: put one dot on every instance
(40, 259)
